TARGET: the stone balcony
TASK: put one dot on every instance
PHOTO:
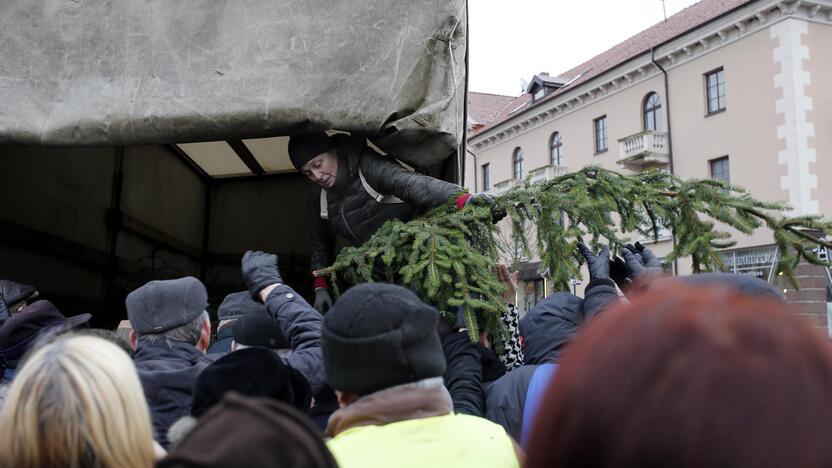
(548, 172)
(644, 149)
(502, 187)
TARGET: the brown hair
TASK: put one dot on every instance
(690, 377)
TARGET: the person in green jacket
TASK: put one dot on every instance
(383, 356)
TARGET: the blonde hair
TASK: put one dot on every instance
(77, 402)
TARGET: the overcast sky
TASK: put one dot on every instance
(513, 40)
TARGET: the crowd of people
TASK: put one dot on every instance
(644, 370)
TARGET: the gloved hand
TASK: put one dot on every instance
(619, 272)
(599, 265)
(641, 261)
(323, 301)
(480, 199)
(483, 199)
(259, 271)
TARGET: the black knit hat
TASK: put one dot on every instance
(378, 336)
(252, 372)
(259, 329)
(306, 147)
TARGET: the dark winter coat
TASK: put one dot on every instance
(301, 325)
(353, 213)
(168, 374)
(463, 376)
(546, 331)
(222, 345)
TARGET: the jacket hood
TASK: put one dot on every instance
(550, 326)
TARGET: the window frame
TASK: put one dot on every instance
(721, 104)
(486, 177)
(556, 145)
(727, 160)
(600, 134)
(655, 111)
(517, 160)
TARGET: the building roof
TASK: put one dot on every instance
(676, 25)
(484, 107)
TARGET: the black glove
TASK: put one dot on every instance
(599, 265)
(648, 257)
(619, 272)
(640, 261)
(323, 301)
(497, 212)
(260, 270)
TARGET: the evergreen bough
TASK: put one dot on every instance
(446, 255)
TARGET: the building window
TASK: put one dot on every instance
(600, 125)
(486, 177)
(518, 163)
(556, 149)
(720, 169)
(652, 112)
(715, 86)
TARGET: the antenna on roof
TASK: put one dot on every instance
(524, 83)
(664, 8)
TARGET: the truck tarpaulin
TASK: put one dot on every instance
(103, 72)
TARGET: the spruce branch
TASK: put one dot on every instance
(446, 255)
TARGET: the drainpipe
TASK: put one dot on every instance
(476, 169)
(464, 146)
(669, 133)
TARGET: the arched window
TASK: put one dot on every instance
(652, 112)
(556, 150)
(518, 163)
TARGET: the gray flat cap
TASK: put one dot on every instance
(238, 304)
(159, 306)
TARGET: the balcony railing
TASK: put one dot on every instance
(549, 172)
(502, 187)
(647, 148)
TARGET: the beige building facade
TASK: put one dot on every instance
(744, 94)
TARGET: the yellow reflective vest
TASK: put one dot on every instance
(452, 440)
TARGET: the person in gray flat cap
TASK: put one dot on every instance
(234, 307)
(171, 332)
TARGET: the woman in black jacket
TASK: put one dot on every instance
(356, 190)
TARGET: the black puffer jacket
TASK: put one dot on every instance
(353, 213)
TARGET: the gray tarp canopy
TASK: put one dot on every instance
(96, 72)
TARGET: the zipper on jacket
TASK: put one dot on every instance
(346, 224)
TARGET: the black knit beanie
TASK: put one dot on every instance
(259, 329)
(378, 336)
(252, 372)
(306, 147)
